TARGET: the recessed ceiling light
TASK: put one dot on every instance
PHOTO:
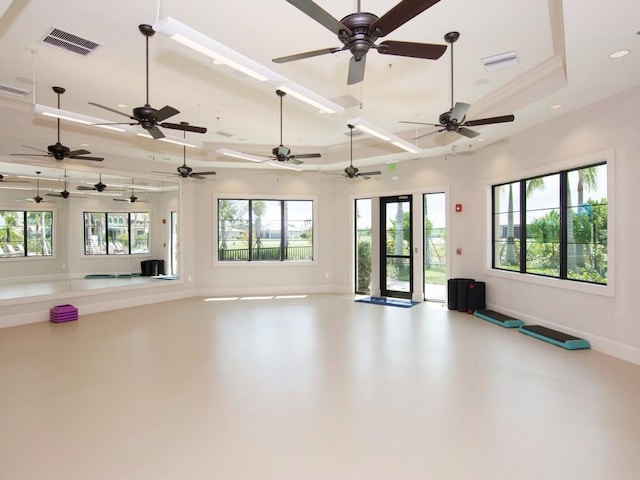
(122, 105)
(620, 54)
(556, 106)
(481, 139)
(481, 81)
(84, 144)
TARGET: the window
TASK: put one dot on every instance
(564, 216)
(265, 230)
(26, 233)
(116, 233)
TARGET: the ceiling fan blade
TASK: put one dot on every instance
(458, 112)
(155, 132)
(367, 174)
(429, 51)
(401, 14)
(34, 148)
(306, 155)
(112, 110)
(487, 121)
(75, 153)
(204, 173)
(93, 159)
(467, 132)
(29, 155)
(164, 113)
(319, 15)
(300, 56)
(294, 160)
(184, 128)
(85, 187)
(428, 133)
(198, 176)
(356, 70)
(420, 123)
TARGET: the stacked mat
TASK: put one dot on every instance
(63, 313)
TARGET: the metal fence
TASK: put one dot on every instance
(268, 254)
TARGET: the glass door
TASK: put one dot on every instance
(396, 261)
(435, 253)
(363, 246)
(173, 243)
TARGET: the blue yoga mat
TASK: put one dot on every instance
(394, 302)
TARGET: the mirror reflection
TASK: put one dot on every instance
(67, 230)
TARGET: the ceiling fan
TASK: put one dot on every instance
(64, 193)
(185, 171)
(359, 31)
(131, 199)
(281, 154)
(454, 120)
(146, 116)
(351, 171)
(59, 151)
(99, 187)
(37, 198)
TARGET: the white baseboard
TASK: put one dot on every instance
(598, 343)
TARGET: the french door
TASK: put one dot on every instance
(396, 261)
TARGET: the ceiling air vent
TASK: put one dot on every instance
(69, 42)
(224, 134)
(502, 60)
(13, 91)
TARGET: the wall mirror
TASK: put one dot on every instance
(66, 230)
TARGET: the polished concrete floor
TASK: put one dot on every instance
(315, 388)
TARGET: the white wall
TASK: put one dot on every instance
(609, 322)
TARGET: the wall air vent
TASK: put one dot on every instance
(69, 42)
(13, 91)
(502, 60)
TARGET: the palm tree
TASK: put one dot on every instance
(532, 185)
(587, 177)
(258, 207)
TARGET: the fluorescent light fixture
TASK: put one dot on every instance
(222, 55)
(74, 117)
(382, 134)
(556, 106)
(241, 155)
(15, 188)
(264, 297)
(218, 52)
(256, 159)
(175, 140)
(312, 98)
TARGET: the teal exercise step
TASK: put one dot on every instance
(498, 318)
(554, 337)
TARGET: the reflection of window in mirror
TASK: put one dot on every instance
(78, 229)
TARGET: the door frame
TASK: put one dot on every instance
(385, 292)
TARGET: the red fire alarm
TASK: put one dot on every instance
(164, 220)
(458, 207)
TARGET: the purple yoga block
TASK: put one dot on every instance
(63, 313)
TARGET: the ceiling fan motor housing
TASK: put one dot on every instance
(281, 153)
(361, 39)
(58, 151)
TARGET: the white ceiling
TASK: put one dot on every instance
(563, 48)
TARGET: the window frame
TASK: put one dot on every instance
(24, 254)
(128, 248)
(251, 221)
(600, 158)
